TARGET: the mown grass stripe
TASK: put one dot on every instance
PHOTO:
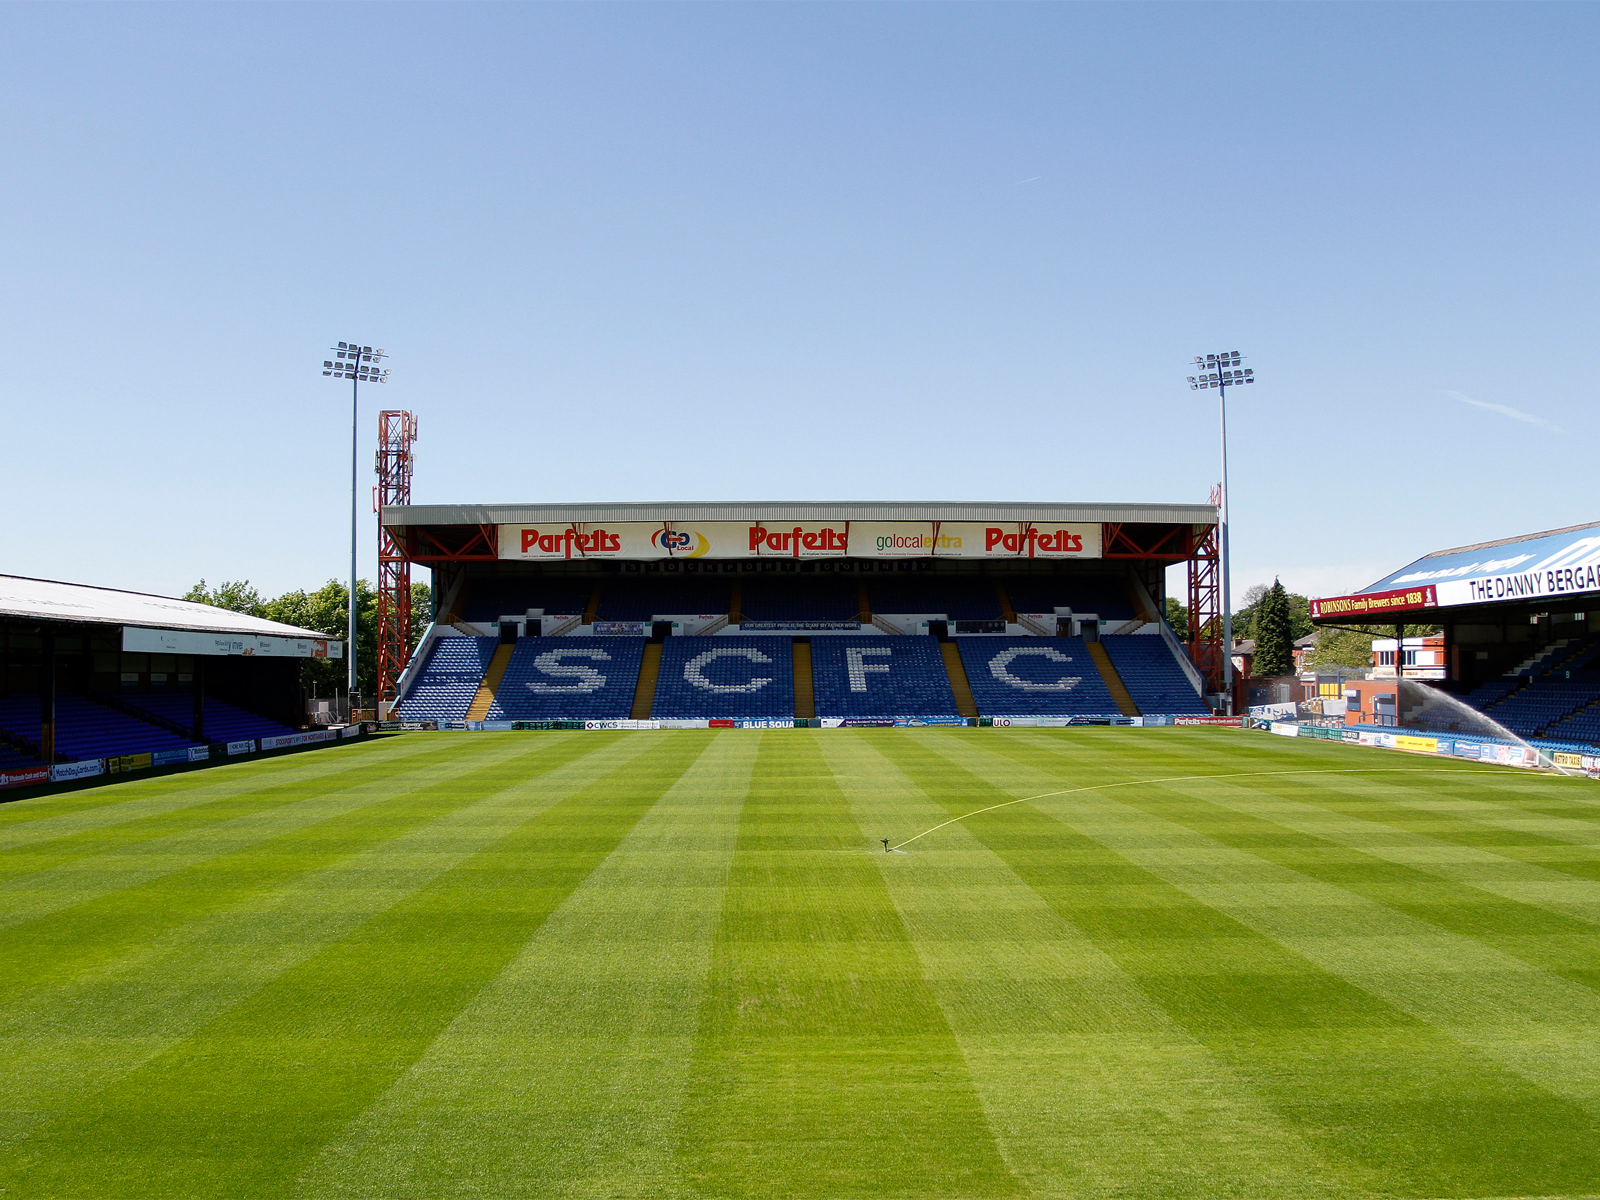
(63, 1045)
(1337, 1033)
(1092, 1089)
(238, 802)
(824, 1066)
(43, 818)
(109, 931)
(91, 876)
(564, 1076)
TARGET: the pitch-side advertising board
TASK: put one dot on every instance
(799, 539)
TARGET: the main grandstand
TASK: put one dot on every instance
(92, 675)
(1521, 623)
(776, 613)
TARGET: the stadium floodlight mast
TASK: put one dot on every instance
(359, 364)
(1222, 371)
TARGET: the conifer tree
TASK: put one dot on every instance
(1274, 639)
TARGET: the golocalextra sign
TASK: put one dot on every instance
(1364, 608)
(800, 539)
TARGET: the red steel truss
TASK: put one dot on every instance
(1205, 609)
(397, 431)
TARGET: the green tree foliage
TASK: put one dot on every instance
(326, 611)
(1352, 646)
(1341, 648)
(1178, 617)
(1244, 620)
(1274, 639)
(237, 596)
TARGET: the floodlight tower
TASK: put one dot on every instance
(359, 364)
(1221, 371)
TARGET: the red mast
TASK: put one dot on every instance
(397, 431)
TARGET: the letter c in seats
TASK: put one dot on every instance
(693, 670)
(1000, 668)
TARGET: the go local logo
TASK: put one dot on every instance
(681, 543)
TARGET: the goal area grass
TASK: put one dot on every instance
(1186, 963)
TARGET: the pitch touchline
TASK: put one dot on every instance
(1098, 787)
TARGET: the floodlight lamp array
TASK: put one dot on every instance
(352, 361)
(1219, 371)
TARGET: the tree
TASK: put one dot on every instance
(1341, 648)
(1274, 636)
(1244, 619)
(1351, 646)
(421, 611)
(236, 596)
(1178, 617)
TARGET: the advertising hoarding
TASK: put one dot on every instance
(1374, 604)
(177, 641)
(639, 540)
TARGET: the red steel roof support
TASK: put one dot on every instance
(1205, 608)
(397, 432)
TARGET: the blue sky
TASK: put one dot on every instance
(793, 252)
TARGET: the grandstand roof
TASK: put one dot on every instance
(1462, 562)
(796, 510)
(1530, 571)
(48, 600)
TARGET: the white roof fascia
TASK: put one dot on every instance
(792, 510)
(48, 600)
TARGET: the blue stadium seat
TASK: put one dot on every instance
(880, 677)
(449, 680)
(571, 678)
(1155, 680)
(1107, 599)
(787, 598)
(85, 729)
(640, 599)
(224, 722)
(748, 677)
(1034, 677)
(1546, 701)
(13, 759)
(957, 599)
(491, 599)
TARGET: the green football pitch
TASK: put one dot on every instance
(1188, 963)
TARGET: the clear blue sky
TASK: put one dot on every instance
(812, 251)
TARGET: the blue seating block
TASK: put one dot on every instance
(640, 599)
(569, 678)
(491, 599)
(449, 680)
(880, 677)
(957, 599)
(87, 730)
(224, 722)
(1034, 677)
(1106, 598)
(748, 677)
(1155, 680)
